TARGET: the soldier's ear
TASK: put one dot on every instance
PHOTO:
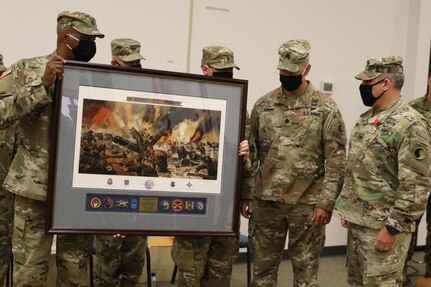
(386, 83)
(63, 37)
(206, 70)
(307, 70)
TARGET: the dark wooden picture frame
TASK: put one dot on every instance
(139, 151)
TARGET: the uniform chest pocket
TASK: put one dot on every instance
(379, 153)
(294, 132)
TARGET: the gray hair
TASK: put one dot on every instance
(397, 79)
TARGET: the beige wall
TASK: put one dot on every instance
(343, 35)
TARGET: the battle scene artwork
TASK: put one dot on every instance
(150, 140)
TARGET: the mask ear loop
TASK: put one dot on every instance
(68, 46)
(73, 37)
(303, 72)
(377, 84)
(208, 70)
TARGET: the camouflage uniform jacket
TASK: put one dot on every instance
(387, 180)
(423, 106)
(31, 106)
(299, 149)
(7, 136)
(7, 146)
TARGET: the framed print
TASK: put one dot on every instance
(138, 151)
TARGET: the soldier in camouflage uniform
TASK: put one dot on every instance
(32, 105)
(7, 151)
(207, 261)
(298, 143)
(423, 106)
(120, 260)
(387, 180)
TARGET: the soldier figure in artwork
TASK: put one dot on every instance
(208, 164)
(387, 180)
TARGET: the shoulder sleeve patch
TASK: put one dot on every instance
(419, 153)
(419, 159)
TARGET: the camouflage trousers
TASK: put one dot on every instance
(269, 224)
(427, 256)
(32, 248)
(119, 261)
(367, 266)
(411, 250)
(6, 224)
(204, 261)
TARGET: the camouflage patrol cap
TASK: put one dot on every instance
(292, 54)
(2, 67)
(218, 57)
(126, 49)
(81, 22)
(376, 67)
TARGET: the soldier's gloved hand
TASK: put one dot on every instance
(243, 149)
(321, 216)
(54, 70)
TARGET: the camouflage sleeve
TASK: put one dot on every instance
(247, 127)
(27, 96)
(8, 146)
(248, 171)
(413, 177)
(334, 149)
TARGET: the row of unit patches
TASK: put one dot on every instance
(146, 204)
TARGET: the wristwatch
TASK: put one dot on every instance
(391, 230)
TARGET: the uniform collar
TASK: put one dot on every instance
(302, 101)
(381, 116)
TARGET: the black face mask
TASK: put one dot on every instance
(291, 83)
(85, 50)
(367, 94)
(226, 75)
